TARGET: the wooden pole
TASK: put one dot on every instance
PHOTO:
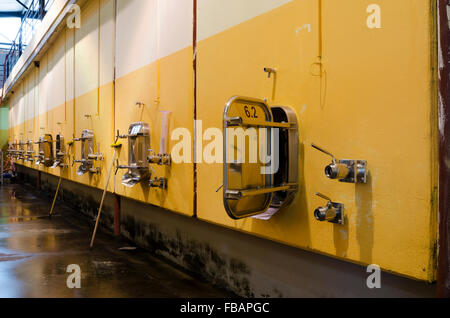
(56, 195)
(116, 215)
(103, 198)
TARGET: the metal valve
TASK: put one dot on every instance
(333, 212)
(345, 170)
(270, 71)
(158, 183)
(119, 136)
(88, 156)
(30, 153)
(161, 159)
(95, 170)
(96, 156)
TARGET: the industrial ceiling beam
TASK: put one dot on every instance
(42, 9)
(11, 14)
(22, 4)
(20, 14)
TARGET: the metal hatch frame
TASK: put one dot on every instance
(60, 152)
(48, 150)
(45, 151)
(269, 190)
(21, 150)
(88, 154)
(39, 157)
(283, 198)
(29, 157)
(137, 172)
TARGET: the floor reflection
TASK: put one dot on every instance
(35, 252)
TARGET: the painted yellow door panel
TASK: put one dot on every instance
(157, 73)
(364, 101)
(92, 105)
(232, 63)
(101, 125)
(171, 90)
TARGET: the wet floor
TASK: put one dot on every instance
(35, 253)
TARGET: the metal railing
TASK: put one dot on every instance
(3, 53)
(31, 21)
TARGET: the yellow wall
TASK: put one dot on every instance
(4, 133)
(154, 65)
(372, 98)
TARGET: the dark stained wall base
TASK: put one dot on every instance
(241, 263)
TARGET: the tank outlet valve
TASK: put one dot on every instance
(88, 154)
(161, 159)
(270, 71)
(345, 170)
(137, 168)
(333, 212)
(160, 183)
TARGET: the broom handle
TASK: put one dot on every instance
(56, 195)
(103, 199)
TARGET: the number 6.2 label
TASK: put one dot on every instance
(251, 112)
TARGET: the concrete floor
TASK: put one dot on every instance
(35, 252)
